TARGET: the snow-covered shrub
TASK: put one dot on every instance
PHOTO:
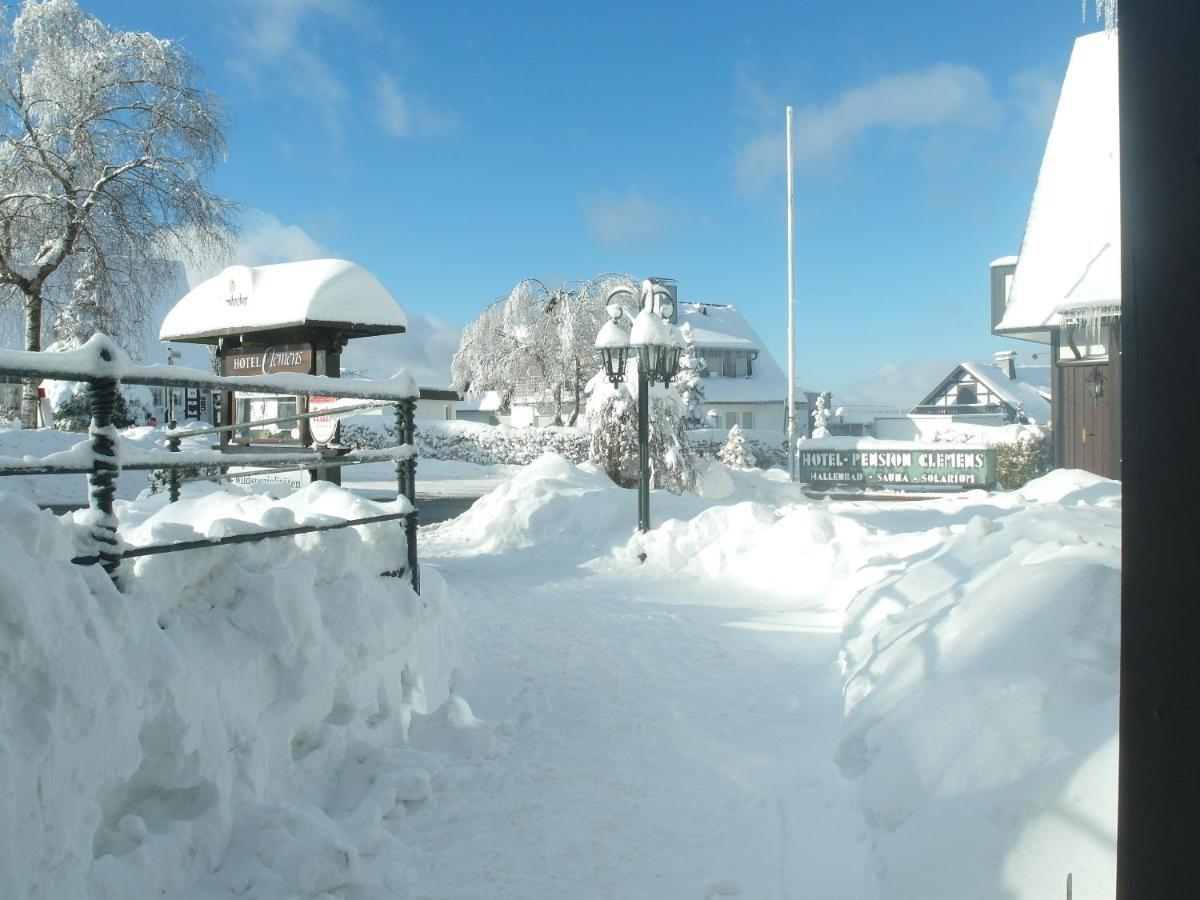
(1019, 462)
(736, 452)
(75, 414)
(769, 451)
(613, 437)
(612, 426)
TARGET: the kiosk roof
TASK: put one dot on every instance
(318, 293)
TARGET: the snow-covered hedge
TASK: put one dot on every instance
(769, 447)
(472, 442)
(238, 721)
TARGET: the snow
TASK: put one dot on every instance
(330, 292)
(612, 336)
(1071, 251)
(788, 698)
(256, 719)
(649, 328)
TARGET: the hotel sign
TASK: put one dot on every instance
(937, 465)
(268, 360)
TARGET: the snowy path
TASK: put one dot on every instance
(655, 741)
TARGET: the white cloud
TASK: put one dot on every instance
(425, 350)
(278, 40)
(403, 114)
(902, 385)
(616, 221)
(263, 240)
(943, 94)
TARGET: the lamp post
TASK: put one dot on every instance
(658, 345)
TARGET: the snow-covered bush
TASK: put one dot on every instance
(736, 452)
(613, 437)
(75, 414)
(1019, 462)
(612, 426)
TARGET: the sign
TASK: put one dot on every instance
(294, 479)
(268, 360)
(930, 465)
(322, 428)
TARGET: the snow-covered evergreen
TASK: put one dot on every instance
(690, 380)
(736, 452)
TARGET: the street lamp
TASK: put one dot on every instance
(658, 345)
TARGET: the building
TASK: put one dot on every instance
(1063, 289)
(743, 385)
(1019, 394)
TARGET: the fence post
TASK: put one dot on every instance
(406, 482)
(173, 442)
(102, 401)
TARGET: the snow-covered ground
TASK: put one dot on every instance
(789, 698)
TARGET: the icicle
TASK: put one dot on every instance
(1104, 8)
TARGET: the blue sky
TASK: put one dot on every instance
(454, 149)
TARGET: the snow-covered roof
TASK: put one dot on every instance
(1070, 256)
(488, 401)
(1030, 388)
(718, 326)
(332, 293)
(723, 327)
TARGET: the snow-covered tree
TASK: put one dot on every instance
(535, 342)
(105, 145)
(690, 380)
(736, 452)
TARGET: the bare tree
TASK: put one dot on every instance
(105, 146)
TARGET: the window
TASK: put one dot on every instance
(256, 407)
(727, 364)
(730, 419)
(966, 395)
(747, 420)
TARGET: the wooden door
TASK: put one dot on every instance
(1087, 422)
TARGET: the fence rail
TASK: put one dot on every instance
(103, 367)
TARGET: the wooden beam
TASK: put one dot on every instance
(1158, 852)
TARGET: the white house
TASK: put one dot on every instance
(743, 385)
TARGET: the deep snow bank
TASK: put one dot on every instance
(980, 651)
(981, 697)
(263, 692)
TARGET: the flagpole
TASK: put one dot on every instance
(791, 328)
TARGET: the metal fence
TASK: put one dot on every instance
(103, 367)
